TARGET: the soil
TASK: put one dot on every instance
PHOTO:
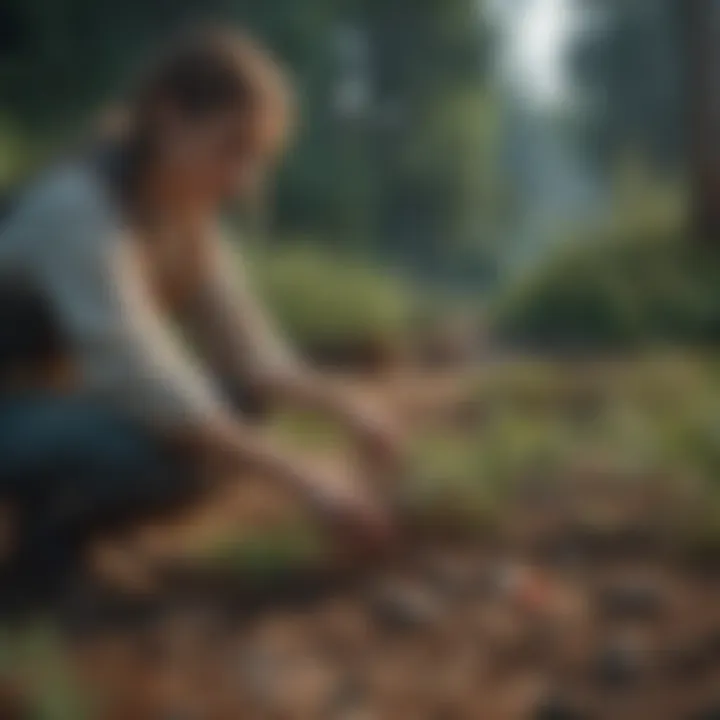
(453, 630)
(554, 616)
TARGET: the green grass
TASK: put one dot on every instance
(541, 423)
(34, 659)
(265, 555)
(633, 421)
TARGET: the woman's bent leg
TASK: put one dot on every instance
(73, 470)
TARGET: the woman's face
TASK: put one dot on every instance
(215, 159)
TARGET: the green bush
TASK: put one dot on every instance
(619, 290)
(333, 308)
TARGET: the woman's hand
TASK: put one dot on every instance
(380, 437)
(378, 434)
(348, 508)
(358, 520)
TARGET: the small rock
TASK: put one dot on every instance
(695, 655)
(261, 674)
(448, 576)
(712, 712)
(534, 593)
(559, 708)
(632, 601)
(620, 665)
(349, 700)
(503, 581)
(687, 660)
(404, 608)
(308, 686)
(712, 644)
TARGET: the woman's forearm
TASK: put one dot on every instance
(377, 433)
(347, 508)
(239, 446)
(304, 389)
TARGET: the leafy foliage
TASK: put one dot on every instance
(334, 307)
(634, 282)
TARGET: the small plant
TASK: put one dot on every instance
(268, 554)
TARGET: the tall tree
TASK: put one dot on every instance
(702, 47)
(627, 64)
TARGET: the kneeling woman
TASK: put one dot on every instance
(123, 245)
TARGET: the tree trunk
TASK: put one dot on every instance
(702, 45)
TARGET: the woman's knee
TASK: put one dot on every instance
(76, 447)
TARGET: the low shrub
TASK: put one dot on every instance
(336, 310)
(618, 291)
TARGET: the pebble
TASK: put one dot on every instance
(711, 712)
(260, 672)
(448, 577)
(712, 644)
(620, 665)
(349, 701)
(632, 601)
(687, 660)
(404, 608)
(559, 708)
(503, 581)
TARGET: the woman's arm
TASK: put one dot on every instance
(239, 340)
(230, 327)
(129, 357)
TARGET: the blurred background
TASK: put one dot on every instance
(503, 217)
(485, 153)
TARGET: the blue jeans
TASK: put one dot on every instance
(71, 470)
